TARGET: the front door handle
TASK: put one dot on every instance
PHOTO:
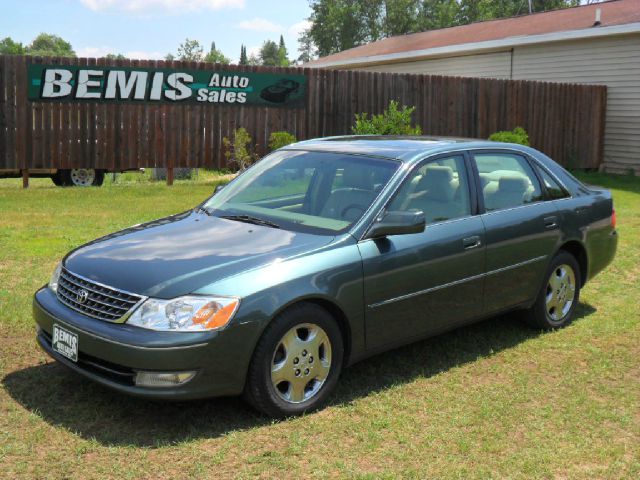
(550, 222)
(471, 242)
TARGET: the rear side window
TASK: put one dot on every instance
(554, 190)
(507, 181)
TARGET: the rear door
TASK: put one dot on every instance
(522, 229)
(427, 282)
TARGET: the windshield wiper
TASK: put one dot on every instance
(201, 209)
(250, 219)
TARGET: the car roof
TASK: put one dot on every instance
(403, 148)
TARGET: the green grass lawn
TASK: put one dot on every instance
(494, 400)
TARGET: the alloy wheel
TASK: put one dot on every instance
(301, 363)
(561, 292)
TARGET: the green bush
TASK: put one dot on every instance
(280, 139)
(239, 150)
(393, 121)
(518, 135)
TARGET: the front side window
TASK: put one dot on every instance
(316, 192)
(507, 181)
(439, 189)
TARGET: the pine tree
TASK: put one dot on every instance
(243, 55)
(283, 55)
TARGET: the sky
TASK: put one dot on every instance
(152, 28)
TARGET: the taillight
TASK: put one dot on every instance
(613, 217)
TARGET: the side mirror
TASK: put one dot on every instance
(218, 188)
(397, 223)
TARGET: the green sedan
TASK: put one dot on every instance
(322, 254)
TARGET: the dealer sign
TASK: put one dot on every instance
(55, 83)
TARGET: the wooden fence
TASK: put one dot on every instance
(565, 121)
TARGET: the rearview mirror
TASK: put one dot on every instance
(397, 223)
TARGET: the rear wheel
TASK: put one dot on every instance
(559, 294)
(80, 177)
(297, 362)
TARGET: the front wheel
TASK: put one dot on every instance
(297, 362)
(559, 295)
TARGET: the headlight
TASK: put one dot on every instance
(53, 281)
(185, 314)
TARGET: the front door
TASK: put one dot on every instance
(419, 284)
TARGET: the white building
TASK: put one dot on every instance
(590, 44)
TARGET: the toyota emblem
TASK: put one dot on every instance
(82, 295)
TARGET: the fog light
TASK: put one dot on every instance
(162, 379)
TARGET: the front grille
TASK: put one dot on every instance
(93, 299)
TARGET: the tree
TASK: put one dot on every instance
(438, 14)
(336, 25)
(190, 51)
(114, 56)
(253, 60)
(169, 57)
(400, 17)
(216, 56)
(270, 54)
(283, 54)
(306, 49)
(243, 56)
(47, 44)
(9, 47)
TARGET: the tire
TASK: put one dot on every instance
(57, 179)
(559, 294)
(283, 382)
(80, 177)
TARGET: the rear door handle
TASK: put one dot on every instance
(471, 242)
(551, 222)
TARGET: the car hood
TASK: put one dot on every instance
(179, 254)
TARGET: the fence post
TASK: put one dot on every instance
(25, 178)
(169, 176)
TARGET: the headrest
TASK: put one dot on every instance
(484, 179)
(357, 177)
(513, 184)
(437, 182)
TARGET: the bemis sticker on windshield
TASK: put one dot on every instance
(149, 85)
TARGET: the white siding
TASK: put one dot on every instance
(492, 65)
(613, 61)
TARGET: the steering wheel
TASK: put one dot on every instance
(353, 206)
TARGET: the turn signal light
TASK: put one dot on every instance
(613, 218)
(214, 315)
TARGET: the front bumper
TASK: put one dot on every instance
(111, 354)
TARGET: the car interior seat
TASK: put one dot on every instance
(434, 194)
(351, 200)
(512, 191)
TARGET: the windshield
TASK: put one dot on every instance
(317, 192)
